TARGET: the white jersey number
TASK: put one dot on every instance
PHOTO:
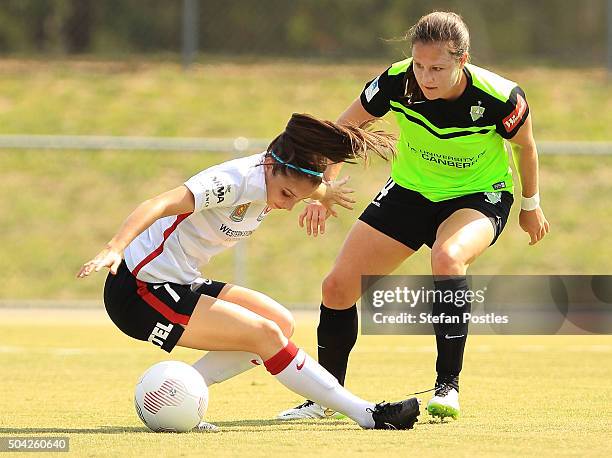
(172, 293)
(385, 189)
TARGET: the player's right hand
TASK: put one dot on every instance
(336, 192)
(106, 258)
(314, 216)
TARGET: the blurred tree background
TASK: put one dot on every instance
(553, 32)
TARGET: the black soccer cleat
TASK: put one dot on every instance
(396, 415)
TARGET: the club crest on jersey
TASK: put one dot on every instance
(239, 212)
(263, 213)
(493, 197)
(477, 111)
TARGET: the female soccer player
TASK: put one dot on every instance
(450, 189)
(157, 293)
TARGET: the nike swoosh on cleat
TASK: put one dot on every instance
(299, 366)
(320, 346)
(453, 337)
(254, 361)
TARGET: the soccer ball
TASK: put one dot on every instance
(171, 396)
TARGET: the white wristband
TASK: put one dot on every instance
(530, 203)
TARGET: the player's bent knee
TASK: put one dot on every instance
(282, 317)
(288, 324)
(267, 332)
(336, 294)
(285, 321)
(446, 260)
(278, 313)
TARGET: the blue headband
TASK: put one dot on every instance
(295, 167)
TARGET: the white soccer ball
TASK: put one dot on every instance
(171, 396)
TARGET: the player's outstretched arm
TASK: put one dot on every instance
(531, 217)
(316, 213)
(174, 202)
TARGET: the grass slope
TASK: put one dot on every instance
(57, 208)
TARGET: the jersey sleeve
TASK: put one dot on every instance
(212, 188)
(378, 92)
(513, 114)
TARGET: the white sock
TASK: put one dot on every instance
(303, 375)
(218, 366)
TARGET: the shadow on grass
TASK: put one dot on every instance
(98, 430)
(281, 425)
(254, 422)
(228, 426)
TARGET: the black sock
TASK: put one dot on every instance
(451, 338)
(336, 336)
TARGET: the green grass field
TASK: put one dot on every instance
(71, 373)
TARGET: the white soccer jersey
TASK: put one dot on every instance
(230, 203)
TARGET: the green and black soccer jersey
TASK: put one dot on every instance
(452, 148)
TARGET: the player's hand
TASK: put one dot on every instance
(336, 192)
(106, 258)
(535, 224)
(314, 216)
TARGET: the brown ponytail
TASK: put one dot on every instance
(310, 143)
(413, 91)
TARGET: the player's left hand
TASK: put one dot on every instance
(535, 224)
(314, 216)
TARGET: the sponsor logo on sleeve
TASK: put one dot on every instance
(517, 114)
(372, 90)
(239, 212)
(218, 190)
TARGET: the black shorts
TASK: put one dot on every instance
(412, 219)
(154, 312)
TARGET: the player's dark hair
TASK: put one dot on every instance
(312, 144)
(436, 27)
